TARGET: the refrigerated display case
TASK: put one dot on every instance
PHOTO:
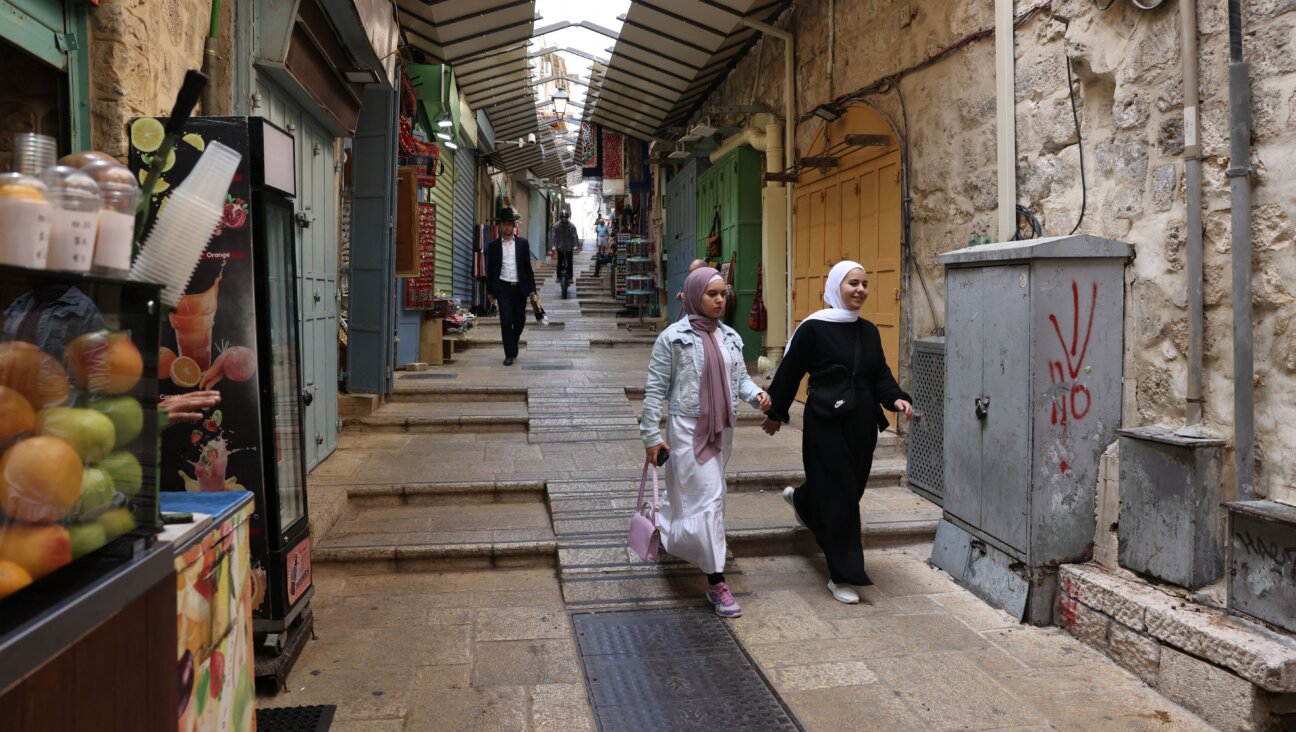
(241, 333)
(78, 464)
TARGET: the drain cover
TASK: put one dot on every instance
(430, 376)
(295, 719)
(675, 669)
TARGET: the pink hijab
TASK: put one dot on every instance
(715, 396)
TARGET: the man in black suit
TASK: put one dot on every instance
(509, 281)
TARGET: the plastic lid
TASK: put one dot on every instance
(84, 158)
(113, 178)
(71, 189)
(17, 185)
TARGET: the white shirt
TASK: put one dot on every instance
(508, 265)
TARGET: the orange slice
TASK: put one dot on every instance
(185, 372)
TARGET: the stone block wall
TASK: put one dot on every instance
(939, 56)
(139, 52)
(1237, 676)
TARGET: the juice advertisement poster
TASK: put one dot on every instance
(209, 341)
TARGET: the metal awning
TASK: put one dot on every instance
(486, 42)
(670, 56)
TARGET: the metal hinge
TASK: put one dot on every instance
(67, 42)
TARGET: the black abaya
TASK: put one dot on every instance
(837, 453)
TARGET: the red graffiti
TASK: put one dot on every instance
(1068, 605)
(1074, 402)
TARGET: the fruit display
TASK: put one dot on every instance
(75, 415)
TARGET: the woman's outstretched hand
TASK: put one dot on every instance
(651, 452)
(905, 408)
(763, 400)
(771, 426)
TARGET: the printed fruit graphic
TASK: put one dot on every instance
(12, 578)
(195, 140)
(117, 521)
(90, 433)
(37, 549)
(105, 363)
(166, 357)
(185, 372)
(86, 538)
(146, 134)
(217, 665)
(97, 493)
(40, 480)
(126, 414)
(125, 471)
(34, 374)
(16, 414)
(158, 187)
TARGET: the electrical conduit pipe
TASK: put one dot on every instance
(1193, 186)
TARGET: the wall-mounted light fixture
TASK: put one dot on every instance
(827, 112)
(560, 102)
(361, 76)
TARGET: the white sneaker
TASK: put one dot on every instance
(843, 593)
(788, 494)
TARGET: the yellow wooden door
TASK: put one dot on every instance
(852, 214)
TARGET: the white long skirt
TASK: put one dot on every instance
(692, 512)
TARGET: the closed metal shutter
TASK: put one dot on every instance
(465, 220)
(443, 197)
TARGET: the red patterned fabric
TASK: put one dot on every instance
(613, 167)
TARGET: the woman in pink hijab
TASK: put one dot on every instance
(697, 364)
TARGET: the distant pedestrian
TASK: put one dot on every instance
(843, 355)
(509, 281)
(694, 266)
(565, 240)
(697, 368)
(601, 232)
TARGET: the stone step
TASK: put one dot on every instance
(631, 588)
(445, 493)
(478, 423)
(423, 537)
(455, 393)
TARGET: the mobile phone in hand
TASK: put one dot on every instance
(662, 456)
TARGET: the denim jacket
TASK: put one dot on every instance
(675, 370)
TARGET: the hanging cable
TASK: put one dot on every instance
(1075, 116)
(1036, 229)
(906, 211)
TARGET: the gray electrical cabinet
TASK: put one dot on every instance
(1033, 367)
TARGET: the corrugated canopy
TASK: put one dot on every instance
(670, 56)
(486, 42)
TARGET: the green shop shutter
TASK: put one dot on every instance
(734, 184)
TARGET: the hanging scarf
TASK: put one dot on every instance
(715, 397)
(836, 312)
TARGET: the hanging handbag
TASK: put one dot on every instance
(832, 389)
(713, 238)
(644, 535)
(758, 320)
(538, 310)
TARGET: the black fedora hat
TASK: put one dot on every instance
(507, 214)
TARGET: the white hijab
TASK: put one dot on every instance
(836, 312)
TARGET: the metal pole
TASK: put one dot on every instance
(1193, 183)
(1006, 119)
(1239, 173)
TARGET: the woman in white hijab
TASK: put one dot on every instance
(850, 382)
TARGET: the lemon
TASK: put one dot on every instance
(161, 184)
(170, 161)
(195, 140)
(146, 134)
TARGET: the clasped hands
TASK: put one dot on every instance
(771, 426)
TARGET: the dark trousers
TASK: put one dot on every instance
(564, 263)
(512, 315)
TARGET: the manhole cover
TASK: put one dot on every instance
(430, 376)
(675, 669)
(295, 719)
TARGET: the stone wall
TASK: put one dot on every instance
(1128, 96)
(139, 52)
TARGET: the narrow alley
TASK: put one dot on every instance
(471, 543)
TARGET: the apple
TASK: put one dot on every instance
(126, 414)
(125, 471)
(86, 538)
(90, 433)
(117, 521)
(97, 493)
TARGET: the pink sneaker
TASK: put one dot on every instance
(725, 604)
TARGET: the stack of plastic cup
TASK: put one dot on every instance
(33, 153)
(76, 200)
(112, 255)
(183, 229)
(25, 217)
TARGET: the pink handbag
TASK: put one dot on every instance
(644, 536)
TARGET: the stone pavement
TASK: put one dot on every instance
(459, 526)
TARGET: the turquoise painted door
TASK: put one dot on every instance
(680, 246)
(56, 33)
(732, 187)
(317, 266)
